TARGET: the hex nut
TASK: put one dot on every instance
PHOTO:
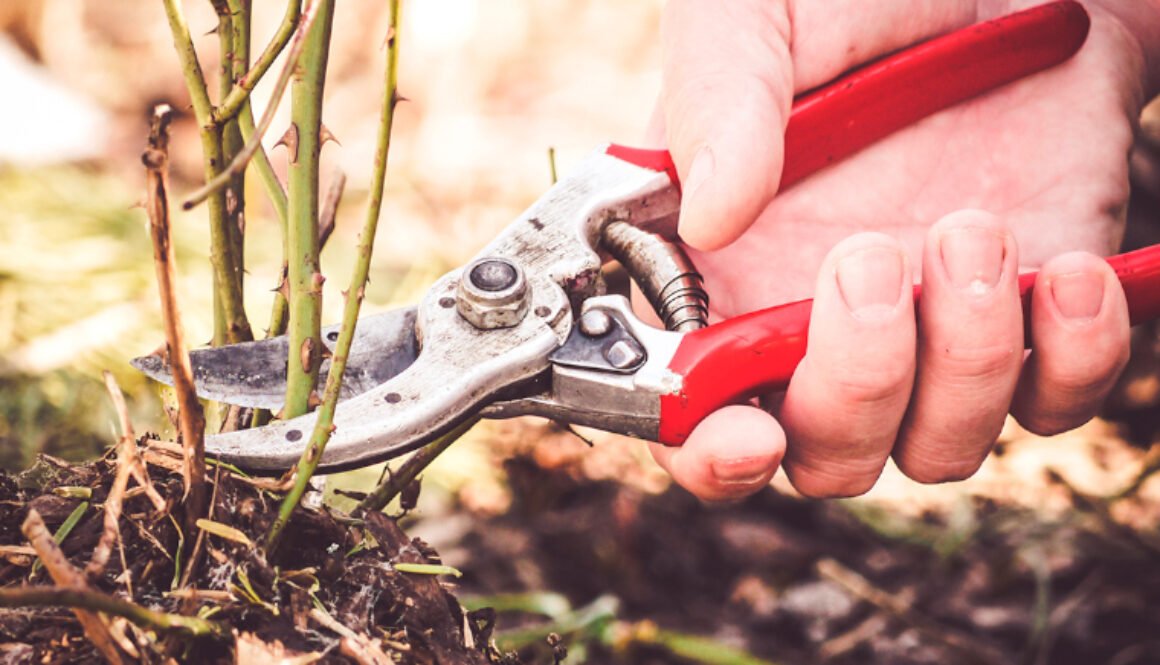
(493, 293)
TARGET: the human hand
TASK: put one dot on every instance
(1047, 157)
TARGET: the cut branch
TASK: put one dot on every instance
(191, 419)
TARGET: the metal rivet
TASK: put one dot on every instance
(294, 435)
(595, 322)
(447, 302)
(494, 275)
(394, 398)
(543, 311)
(623, 354)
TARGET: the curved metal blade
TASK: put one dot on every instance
(459, 370)
(253, 374)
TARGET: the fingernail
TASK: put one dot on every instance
(870, 281)
(740, 471)
(973, 257)
(702, 168)
(1078, 295)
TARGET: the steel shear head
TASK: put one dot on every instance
(485, 333)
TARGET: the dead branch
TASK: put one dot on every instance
(128, 444)
(192, 420)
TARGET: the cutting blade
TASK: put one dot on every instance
(253, 374)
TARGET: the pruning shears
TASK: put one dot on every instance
(526, 329)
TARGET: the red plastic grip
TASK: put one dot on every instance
(870, 103)
(877, 100)
(757, 353)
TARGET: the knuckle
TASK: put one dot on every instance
(872, 386)
(831, 480)
(931, 469)
(983, 362)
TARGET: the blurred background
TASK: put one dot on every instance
(1049, 554)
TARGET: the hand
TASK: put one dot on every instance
(1047, 157)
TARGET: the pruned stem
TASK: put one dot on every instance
(95, 601)
(191, 418)
(354, 295)
(304, 143)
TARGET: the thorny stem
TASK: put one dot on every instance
(234, 52)
(274, 188)
(237, 97)
(95, 601)
(308, 463)
(192, 420)
(326, 223)
(230, 324)
(410, 470)
(291, 69)
(304, 143)
(190, 67)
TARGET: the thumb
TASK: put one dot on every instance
(725, 99)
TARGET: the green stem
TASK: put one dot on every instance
(270, 181)
(234, 50)
(354, 295)
(190, 67)
(254, 143)
(230, 324)
(96, 601)
(305, 279)
(238, 96)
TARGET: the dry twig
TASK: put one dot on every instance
(128, 445)
(95, 601)
(192, 419)
(967, 649)
(69, 578)
(359, 648)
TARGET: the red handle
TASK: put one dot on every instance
(868, 104)
(757, 353)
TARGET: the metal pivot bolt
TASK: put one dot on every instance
(493, 293)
